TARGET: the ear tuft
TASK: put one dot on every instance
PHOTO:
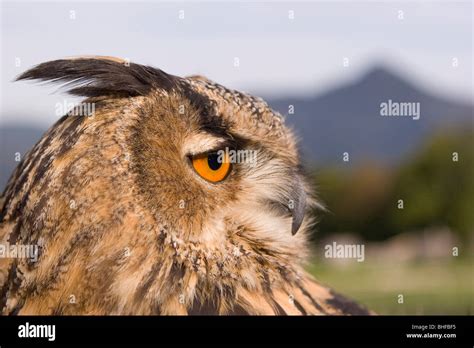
(99, 76)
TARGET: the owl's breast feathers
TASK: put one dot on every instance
(100, 250)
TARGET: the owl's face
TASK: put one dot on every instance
(214, 162)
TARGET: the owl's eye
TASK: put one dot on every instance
(212, 166)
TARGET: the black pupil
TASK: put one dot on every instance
(212, 161)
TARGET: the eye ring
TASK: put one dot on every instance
(212, 166)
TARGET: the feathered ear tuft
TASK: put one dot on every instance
(99, 76)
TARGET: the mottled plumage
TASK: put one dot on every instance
(127, 227)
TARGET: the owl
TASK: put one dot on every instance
(159, 194)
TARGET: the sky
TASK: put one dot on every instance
(283, 48)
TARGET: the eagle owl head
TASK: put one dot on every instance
(174, 196)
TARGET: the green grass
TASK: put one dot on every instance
(427, 287)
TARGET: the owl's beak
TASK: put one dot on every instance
(299, 206)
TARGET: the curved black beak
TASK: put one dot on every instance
(298, 206)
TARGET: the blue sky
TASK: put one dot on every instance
(277, 55)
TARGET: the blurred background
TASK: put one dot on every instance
(326, 66)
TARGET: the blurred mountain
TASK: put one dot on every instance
(344, 119)
(347, 119)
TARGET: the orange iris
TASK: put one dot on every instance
(212, 166)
